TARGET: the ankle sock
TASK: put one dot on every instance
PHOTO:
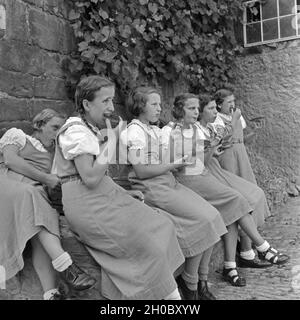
(49, 294)
(190, 280)
(231, 265)
(62, 262)
(263, 247)
(173, 295)
(248, 255)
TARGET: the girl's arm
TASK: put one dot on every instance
(16, 163)
(90, 171)
(146, 171)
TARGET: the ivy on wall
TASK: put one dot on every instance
(155, 39)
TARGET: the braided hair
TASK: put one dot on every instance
(85, 90)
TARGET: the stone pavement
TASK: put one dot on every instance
(282, 230)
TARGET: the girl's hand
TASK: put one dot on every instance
(236, 114)
(218, 150)
(181, 162)
(52, 181)
(137, 194)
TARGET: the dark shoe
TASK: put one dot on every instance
(254, 263)
(203, 292)
(234, 280)
(77, 278)
(187, 294)
(58, 296)
(276, 258)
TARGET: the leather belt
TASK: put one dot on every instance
(72, 177)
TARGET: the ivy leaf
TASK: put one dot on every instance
(125, 32)
(143, 2)
(153, 7)
(83, 45)
(74, 15)
(116, 67)
(105, 32)
(99, 66)
(106, 55)
(103, 14)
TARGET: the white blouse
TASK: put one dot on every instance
(135, 135)
(18, 138)
(198, 167)
(78, 140)
(221, 116)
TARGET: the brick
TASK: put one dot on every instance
(48, 31)
(16, 84)
(17, 27)
(57, 7)
(50, 88)
(14, 109)
(38, 105)
(24, 125)
(18, 56)
(37, 3)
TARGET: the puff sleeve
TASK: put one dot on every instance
(78, 140)
(134, 138)
(13, 136)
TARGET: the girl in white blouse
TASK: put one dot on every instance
(135, 245)
(26, 213)
(199, 226)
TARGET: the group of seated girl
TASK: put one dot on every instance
(158, 248)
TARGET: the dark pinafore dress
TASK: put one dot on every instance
(199, 225)
(25, 209)
(135, 246)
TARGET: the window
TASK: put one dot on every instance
(267, 21)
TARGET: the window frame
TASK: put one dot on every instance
(261, 20)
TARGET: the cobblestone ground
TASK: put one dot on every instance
(277, 282)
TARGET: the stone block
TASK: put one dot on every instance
(38, 105)
(48, 31)
(12, 109)
(24, 125)
(50, 88)
(18, 56)
(17, 27)
(57, 7)
(16, 84)
(37, 3)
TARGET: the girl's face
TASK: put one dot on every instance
(101, 107)
(152, 109)
(48, 131)
(191, 111)
(228, 105)
(210, 112)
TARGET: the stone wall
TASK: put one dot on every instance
(268, 84)
(32, 47)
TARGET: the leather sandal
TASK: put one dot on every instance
(203, 291)
(234, 279)
(276, 258)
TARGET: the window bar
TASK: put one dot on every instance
(245, 24)
(261, 22)
(278, 20)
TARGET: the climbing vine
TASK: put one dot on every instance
(155, 39)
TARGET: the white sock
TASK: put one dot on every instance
(263, 247)
(49, 294)
(173, 295)
(62, 262)
(229, 264)
(248, 255)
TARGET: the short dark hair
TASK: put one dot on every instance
(179, 103)
(204, 100)
(138, 97)
(221, 94)
(86, 89)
